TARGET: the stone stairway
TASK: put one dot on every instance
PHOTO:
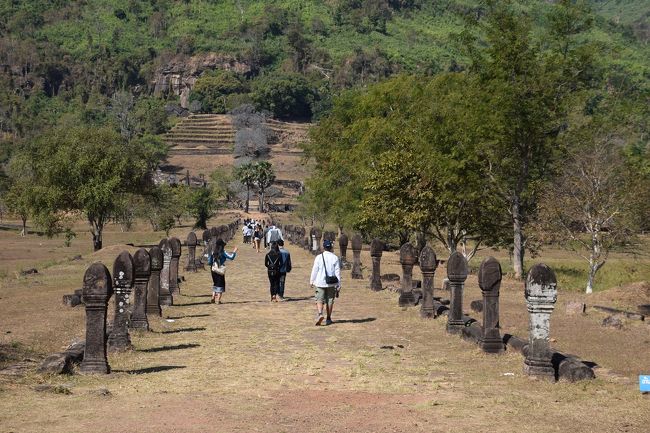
(202, 134)
(214, 134)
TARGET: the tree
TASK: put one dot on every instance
(202, 206)
(285, 95)
(85, 170)
(18, 198)
(212, 90)
(523, 103)
(245, 173)
(263, 178)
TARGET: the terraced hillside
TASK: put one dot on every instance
(202, 134)
(201, 143)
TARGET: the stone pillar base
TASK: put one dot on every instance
(406, 299)
(94, 367)
(166, 300)
(455, 327)
(540, 368)
(490, 345)
(139, 324)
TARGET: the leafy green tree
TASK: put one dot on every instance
(202, 206)
(150, 115)
(212, 90)
(85, 170)
(263, 176)
(525, 91)
(285, 95)
(245, 174)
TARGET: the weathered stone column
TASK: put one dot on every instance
(457, 274)
(175, 244)
(153, 288)
(356, 257)
(97, 290)
(407, 258)
(191, 252)
(165, 296)
(428, 265)
(316, 236)
(376, 250)
(122, 284)
(489, 280)
(541, 294)
(142, 264)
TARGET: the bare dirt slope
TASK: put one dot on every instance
(249, 365)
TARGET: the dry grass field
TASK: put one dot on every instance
(249, 365)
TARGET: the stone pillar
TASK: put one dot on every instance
(142, 265)
(428, 264)
(165, 296)
(408, 256)
(97, 290)
(356, 257)
(122, 284)
(316, 236)
(376, 250)
(541, 294)
(175, 245)
(191, 252)
(153, 288)
(489, 280)
(343, 246)
(457, 274)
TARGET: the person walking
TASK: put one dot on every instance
(274, 234)
(217, 262)
(326, 280)
(273, 262)
(257, 237)
(285, 268)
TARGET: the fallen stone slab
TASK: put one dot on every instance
(30, 271)
(627, 314)
(63, 362)
(644, 309)
(390, 277)
(612, 322)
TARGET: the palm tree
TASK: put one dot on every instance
(264, 177)
(245, 173)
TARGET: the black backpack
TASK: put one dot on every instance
(274, 265)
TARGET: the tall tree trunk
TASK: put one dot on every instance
(248, 196)
(24, 230)
(96, 229)
(261, 200)
(517, 241)
(594, 261)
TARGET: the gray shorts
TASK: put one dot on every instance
(325, 295)
(216, 289)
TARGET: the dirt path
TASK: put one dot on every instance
(249, 365)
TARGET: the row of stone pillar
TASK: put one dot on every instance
(540, 293)
(141, 283)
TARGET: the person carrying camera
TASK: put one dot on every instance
(326, 280)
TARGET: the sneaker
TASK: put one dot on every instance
(319, 319)
(329, 321)
(212, 301)
(280, 299)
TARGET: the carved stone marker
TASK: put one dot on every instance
(356, 257)
(191, 252)
(316, 236)
(408, 256)
(457, 274)
(428, 264)
(175, 245)
(153, 288)
(489, 280)
(165, 296)
(122, 285)
(142, 264)
(97, 290)
(541, 294)
(376, 250)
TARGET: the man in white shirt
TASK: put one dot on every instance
(274, 234)
(326, 265)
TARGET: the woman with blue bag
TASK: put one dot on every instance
(217, 262)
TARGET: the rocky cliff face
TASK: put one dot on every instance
(179, 74)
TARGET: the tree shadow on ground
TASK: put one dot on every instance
(176, 331)
(304, 298)
(147, 370)
(192, 304)
(242, 302)
(164, 348)
(198, 296)
(367, 319)
(188, 316)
